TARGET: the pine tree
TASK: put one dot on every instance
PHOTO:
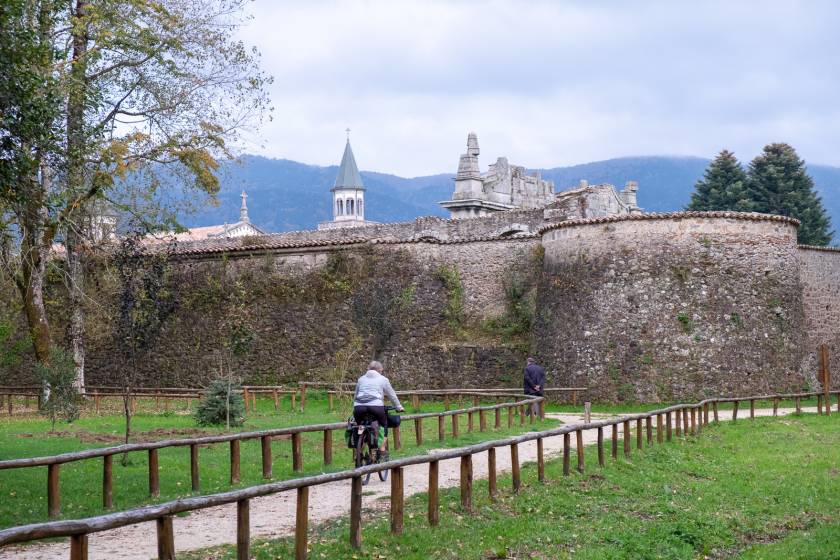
(779, 184)
(723, 186)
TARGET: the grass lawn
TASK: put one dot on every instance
(23, 491)
(765, 488)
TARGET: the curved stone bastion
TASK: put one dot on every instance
(673, 306)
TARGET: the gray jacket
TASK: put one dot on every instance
(371, 389)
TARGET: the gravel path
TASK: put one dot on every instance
(274, 516)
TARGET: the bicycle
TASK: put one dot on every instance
(367, 451)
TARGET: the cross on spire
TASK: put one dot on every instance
(243, 210)
(348, 133)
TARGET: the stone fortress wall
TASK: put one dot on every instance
(820, 277)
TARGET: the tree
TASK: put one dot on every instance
(59, 376)
(93, 92)
(779, 184)
(146, 300)
(723, 186)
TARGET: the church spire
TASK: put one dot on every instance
(348, 173)
(243, 210)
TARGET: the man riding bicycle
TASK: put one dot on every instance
(371, 389)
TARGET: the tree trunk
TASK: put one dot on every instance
(75, 288)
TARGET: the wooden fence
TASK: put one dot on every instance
(689, 419)
(54, 462)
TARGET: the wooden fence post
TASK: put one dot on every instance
(243, 530)
(482, 420)
(668, 424)
(678, 422)
(752, 409)
(108, 481)
(649, 429)
(397, 439)
(247, 397)
(470, 421)
(330, 404)
(466, 482)
(234, 461)
(491, 473)
(509, 410)
(53, 491)
(455, 425)
(516, 475)
(154, 473)
(715, 411)
(302, 524)
(302, 398)
(79, 547)
(415, 401)
(735, 411)
(277, 400)
(441, 428)
(328, 440)
(705, 414)
(659, 434)
(356, 512)
(819, 404)
(434, 499)
(601, 461)
(579, 446)
(797, 404)
(626, 438)
(521, 415)
(540, 460)
(297, 452)
(265, 445)
(639, 433)
(165, 538)
(614, 441)
(498, 421)
(693, 421)
(685, 422)
(542, 409)
(566, 451)
(418, 431)
(194, 467)
(775, 406)
(397, 500)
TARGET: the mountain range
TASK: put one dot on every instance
(286, 195)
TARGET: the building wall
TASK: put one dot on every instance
(820, 278)
(672, 307)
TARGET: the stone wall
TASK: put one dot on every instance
(820, 277)
(669, 307)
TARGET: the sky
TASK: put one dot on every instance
(546, 84)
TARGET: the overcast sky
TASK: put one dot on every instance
(546, 83)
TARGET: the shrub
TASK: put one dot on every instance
(63, 398)
(221, 405)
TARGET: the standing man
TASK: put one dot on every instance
(534, 383)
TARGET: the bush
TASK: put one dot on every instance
(222, 405)
(63, 397)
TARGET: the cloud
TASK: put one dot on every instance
(545, 83)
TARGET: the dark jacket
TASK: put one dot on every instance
(534, 375)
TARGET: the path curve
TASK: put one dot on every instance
(274, 516)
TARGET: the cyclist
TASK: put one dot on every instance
(371, 389)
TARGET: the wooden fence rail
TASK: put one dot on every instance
(163, 514)
(53, 462)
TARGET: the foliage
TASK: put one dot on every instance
(723, 186)
(779, 184)
(221, 405)
(686, 322)
(97, 99)
(145, 301)
(63, 399)
(453, 312)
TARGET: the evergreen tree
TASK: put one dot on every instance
(778, 184)
(723, 186)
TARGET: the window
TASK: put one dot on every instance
(339, 208)
(360, 207)
(349, 206)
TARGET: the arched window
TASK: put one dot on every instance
(360, 207)
(339, 207)
(349, 206)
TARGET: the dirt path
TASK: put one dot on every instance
(274, 516)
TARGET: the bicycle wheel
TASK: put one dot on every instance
(383, 475)
(363, 456)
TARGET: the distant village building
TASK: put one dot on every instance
(242, 228)
(348, 195)
(509, 187)
(503, 187)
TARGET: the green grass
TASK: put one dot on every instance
(628, 408)
(765, 488)
(23, 491)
